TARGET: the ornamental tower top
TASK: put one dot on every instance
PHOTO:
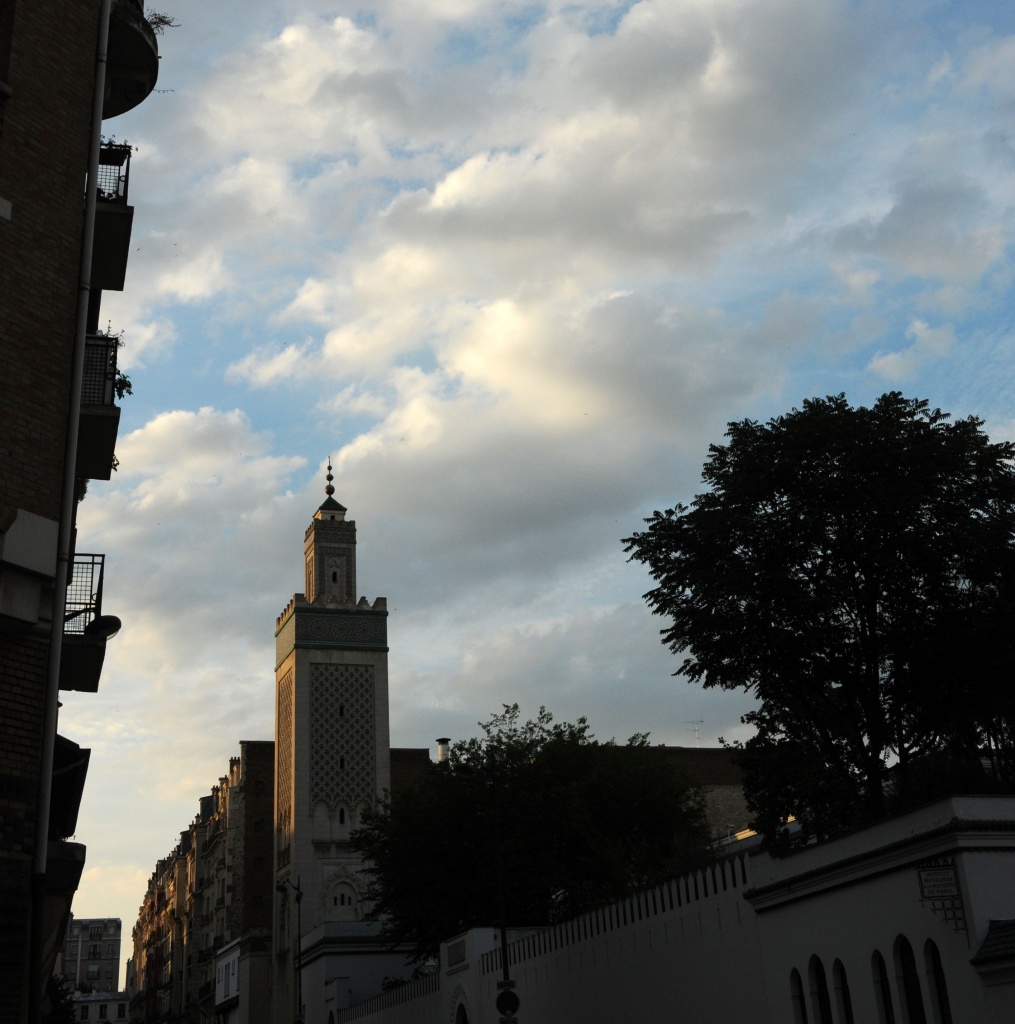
(329, 549)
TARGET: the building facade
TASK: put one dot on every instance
(65, 66)
(910, 921)
(208, 905)
(90, 959)
(101, 1007)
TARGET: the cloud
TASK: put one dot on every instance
(927, 344)
(933, 229)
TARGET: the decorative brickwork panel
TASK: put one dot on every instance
(338, 628)
(285, 753)
(285, 639)
(342, 755)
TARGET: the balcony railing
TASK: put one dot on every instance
(84, 635)
(84, 592)
(100, 370)
(114, 172)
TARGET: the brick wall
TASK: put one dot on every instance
(49, 56)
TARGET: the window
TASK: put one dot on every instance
(93, 972)
(820, 1001)
(110, 948)
(909, 983)
(102, 1011)
(843, 1001)
(121, 1011)
(882, 989)
(796, 993)
(940, 1004)
(95, 949)
(95, 931)
(84, 1012)
(341, 815)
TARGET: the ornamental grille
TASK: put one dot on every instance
(285, 752)
(342, 756)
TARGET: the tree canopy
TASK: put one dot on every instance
(574, 823)
(854, 570)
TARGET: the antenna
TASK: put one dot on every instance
(696, 726)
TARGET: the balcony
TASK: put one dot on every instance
(133, 58)
(86, 629)
(70, 766)
(114, 218)
(100, 417)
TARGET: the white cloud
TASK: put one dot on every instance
(927, 344)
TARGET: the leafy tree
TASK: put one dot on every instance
(59, 1006)
(572, 822)
(854, 570)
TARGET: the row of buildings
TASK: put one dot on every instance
(66, 67)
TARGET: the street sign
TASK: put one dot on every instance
(508, 1002)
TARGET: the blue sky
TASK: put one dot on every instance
(513, 266)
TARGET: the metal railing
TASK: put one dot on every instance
(84, 592)
(113, 174)
(97, 384)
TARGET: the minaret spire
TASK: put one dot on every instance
(329, 490)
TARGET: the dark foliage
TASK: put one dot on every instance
(853, 569)
(58, 1007)
(576, 823)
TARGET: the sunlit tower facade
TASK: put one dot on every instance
(332, 758)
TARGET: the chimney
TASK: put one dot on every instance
(442, 748)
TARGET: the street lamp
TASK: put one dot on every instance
(505, 985)
(280, 887)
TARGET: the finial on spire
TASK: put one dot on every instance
(329, 490)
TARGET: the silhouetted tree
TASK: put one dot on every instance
(579, 823)
(854, 570)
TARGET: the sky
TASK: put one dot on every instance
(512, 266)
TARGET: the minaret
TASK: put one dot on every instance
(332, 754)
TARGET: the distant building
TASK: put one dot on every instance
(90, 960)
(59, 422)
(101, 1007)
(721, 780)
(208, 905)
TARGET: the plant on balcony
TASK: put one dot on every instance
(160, 22)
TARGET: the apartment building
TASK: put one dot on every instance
(65, 67)
(90, 960)
(213, 893)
